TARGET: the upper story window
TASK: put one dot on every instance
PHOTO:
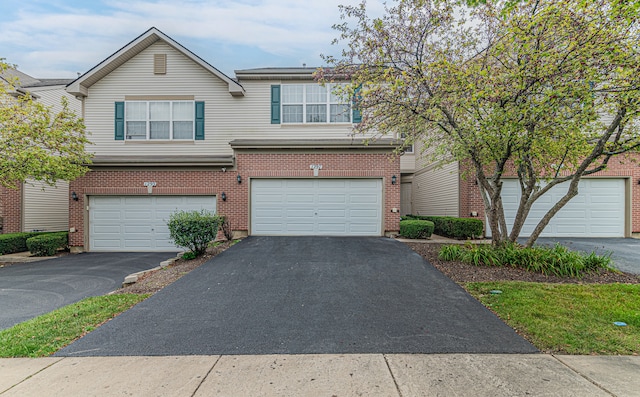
(313, 103)
(159, 120)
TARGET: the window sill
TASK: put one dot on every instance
(154, 142)
(307, 125)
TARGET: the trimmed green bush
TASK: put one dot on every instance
(416, 228)
(193, 230)
(15, 242)
(449, 226)
(47, 244)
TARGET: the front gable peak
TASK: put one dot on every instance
(80, 86)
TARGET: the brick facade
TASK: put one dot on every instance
(11, 209)
(622, 166)
(248, 165)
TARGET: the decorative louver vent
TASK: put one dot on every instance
(160, 64)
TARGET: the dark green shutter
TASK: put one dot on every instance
(119, 130)
(199, 121)
(356, 115)
(275, 104)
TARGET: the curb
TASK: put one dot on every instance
(133, 277)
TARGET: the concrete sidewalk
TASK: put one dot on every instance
(324, 375)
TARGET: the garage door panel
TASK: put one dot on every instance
(363, 199)
(317, 206)
(337, 227)
(299, 198)
(339, 213)
(299, 183)
(332, 198)
(108, 215)
(140, 201)
(597, 211)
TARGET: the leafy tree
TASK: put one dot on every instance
(548, 89)
(36, 144)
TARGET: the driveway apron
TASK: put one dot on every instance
(28, 290)
(302, 295)
(623, 251)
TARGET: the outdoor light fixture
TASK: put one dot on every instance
(394, 180)
(239, 178)
(74, 196)
(223, 196)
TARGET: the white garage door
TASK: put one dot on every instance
(597, 211)
(137, 223)
(330, 207)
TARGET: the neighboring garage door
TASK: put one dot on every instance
(137, 223)
(330, 207)
(597, 211)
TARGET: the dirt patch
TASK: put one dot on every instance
(463, 272)
(153, 282)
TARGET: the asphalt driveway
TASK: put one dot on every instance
(28, 290)
(300, 295)
(625, 252)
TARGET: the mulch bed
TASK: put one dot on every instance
(463, 272)
(152, 282)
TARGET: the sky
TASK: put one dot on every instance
(61, 38)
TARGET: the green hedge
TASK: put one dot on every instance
(47, 244)
(416, 228)
(449, 226)
(15, 242)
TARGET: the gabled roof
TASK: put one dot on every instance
(80, 86)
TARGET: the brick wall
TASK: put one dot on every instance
(11, 209)
(249, 165)
(622, 166)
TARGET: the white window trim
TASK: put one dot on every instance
(304, 103)
(171, 120)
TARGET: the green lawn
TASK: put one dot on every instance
(46, 334)
(568, 318)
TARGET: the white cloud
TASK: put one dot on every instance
(44, 42)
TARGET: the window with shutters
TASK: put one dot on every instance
(313, 103)
(159, 120)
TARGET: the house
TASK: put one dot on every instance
(270, 149)
(36, 206)
(606, 204)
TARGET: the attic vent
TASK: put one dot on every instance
(159, 63)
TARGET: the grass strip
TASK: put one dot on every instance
(568, 318)
(46, 334)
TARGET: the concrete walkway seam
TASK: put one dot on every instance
(32, 375)
(593, 382)
(204, 378)
(395, 381)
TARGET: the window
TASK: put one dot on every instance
(407, 148)
(313, 103)
(159, 120)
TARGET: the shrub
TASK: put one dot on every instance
(448, 226)
(15, 242)
(225, 225)
(187, 256)
(193, 230)
(48, 243)
(415, 228)
(557, 260)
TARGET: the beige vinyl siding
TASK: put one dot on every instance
(408, 162)
(406, 206)
(226, 117)
(45, 207)
(52, 96)
(436, 191)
